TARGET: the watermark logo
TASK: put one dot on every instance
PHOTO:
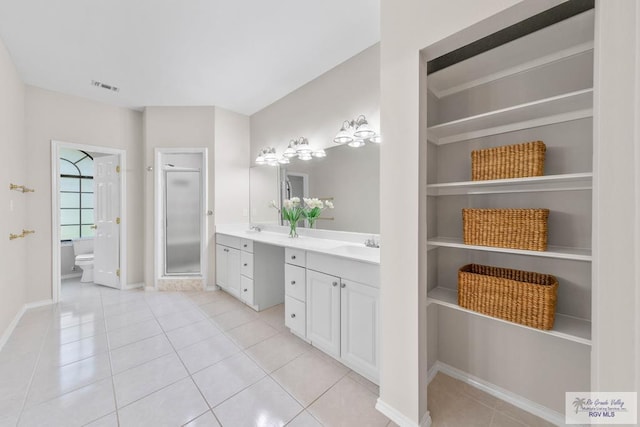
(601, 408)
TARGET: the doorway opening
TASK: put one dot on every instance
(88, 206)
(294, 184)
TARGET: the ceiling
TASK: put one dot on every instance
(241, 55)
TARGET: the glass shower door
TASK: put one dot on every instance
(182, 222)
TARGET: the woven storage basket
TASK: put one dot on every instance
(509, 161)
(506, 228)
(517, 296)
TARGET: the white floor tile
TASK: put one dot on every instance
(143, 380)
(174, 405)
(135, 354)
(208, 352)
(75, 333)
(76, 408)
(304, 419)
(205, 420)
(251, 333)
(224, 379)
(110, 420)
(129, 318)
(191, 334)
(60, 355)
(49, 382)
(264, 403)
(277, 351)
(130, 334)
(180, 319)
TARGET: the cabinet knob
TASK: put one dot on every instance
(293, 257)
(293, 315)
(245, 264)
(245, 245)
(343, 285)
(335, 284)
(245, 290)
(293, 282)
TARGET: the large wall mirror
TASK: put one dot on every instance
(349, 177)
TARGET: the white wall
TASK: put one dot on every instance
(317, 109)
(231, 158)
(176, 127)
(13, 204)
(55, 116)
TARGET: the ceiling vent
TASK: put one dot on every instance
(104, 86)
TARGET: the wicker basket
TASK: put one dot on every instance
(506, 228)
(517, 296)
(509, 161)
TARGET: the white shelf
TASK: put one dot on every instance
(565, 327)
(557, 252)
(565, 182)
(557, 109)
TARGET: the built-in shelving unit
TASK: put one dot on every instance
(565, 327)
(564, 182)
(539, 87)
(543, 112)
(557, 252)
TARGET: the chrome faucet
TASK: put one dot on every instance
(256, 228)
(372, 243)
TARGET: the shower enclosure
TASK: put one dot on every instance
(180, 218)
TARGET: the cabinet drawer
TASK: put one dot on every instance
(295, 316)
(246, 264)
(295, 257)
(246, 245)
(295, 282)
(231, 241)
(246, 290)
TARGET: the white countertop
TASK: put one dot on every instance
(340, 248)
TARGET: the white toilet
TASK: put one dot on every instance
(83, 250)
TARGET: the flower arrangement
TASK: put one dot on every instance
(292, 211)
(313, 209)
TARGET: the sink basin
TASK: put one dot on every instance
(358, 250)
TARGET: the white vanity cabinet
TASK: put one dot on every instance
(342, 314)
(295, 292)
(228, 264)
(250, 271)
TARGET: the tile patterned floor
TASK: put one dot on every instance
(104, 357)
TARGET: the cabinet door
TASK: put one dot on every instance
(246, 290)
(359, 327)
(233, 272)
(222, 266)
(323, 312)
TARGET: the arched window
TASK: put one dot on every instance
(76, 194)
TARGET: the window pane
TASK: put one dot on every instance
(87, 200)
(69, 216)
(67, 168)
(87, 231)
(69, 200)
(69, 184)
(68, 232)
(71, 154)
(86, 166)
(87, 216)
(87, 185)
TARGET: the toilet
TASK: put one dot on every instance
(83, 250)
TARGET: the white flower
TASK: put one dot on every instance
(288, 204)
(328, 204)
(295, 201)
(272, 204)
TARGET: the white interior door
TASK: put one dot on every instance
(106, 182)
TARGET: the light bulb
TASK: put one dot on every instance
(356, 143)
(319, 153)
(344, 135)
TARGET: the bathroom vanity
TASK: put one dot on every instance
(330, 289)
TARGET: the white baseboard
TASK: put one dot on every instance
(131, 286)
(399, 418)
(534, 408)
(12, 326)
(150, 289)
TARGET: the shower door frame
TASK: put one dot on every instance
(159, 215)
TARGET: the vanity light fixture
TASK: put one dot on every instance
(299, 148)
(356, 132)
(267, 155)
